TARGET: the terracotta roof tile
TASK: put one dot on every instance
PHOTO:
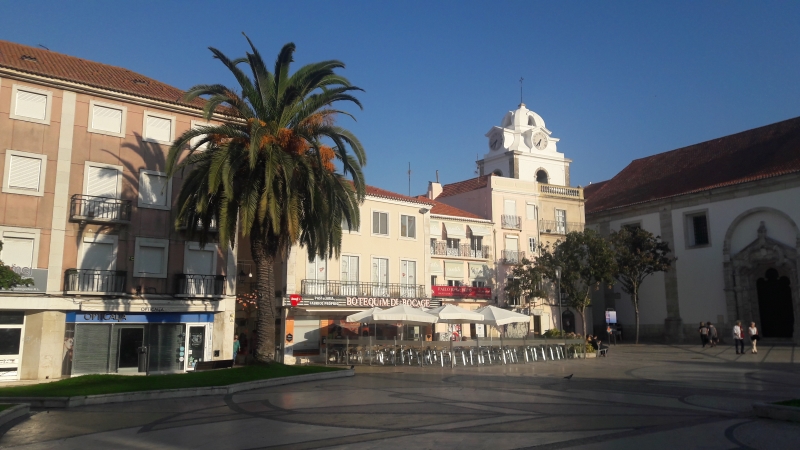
(447, 210)
(383, 193)
(465, 186)
(58, 66)
(756, 154)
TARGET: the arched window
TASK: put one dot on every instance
(530, 121)
(498, 172)
(541, 176)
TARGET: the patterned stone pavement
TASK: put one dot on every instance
(647, 396)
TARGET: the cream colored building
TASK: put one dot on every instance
(86, 212)
(523, 190)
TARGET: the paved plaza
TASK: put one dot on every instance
(643, 397)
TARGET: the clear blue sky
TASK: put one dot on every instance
(614, 81)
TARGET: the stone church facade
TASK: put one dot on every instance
(730, 209)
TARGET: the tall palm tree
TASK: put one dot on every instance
(277, 170)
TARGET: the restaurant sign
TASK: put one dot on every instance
(461, 292)
(358, 302)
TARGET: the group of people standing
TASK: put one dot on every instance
(709, 336)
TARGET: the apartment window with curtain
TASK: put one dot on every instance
(408, 226)
(380, 223)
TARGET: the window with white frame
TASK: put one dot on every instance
(30, 104)
(196, 125)
(199, 264)
(697, 229)
(408, 226)
(349, 275)
(561, 221)
(347, 227)
(150, 258)
(107, 118)
(532, 245)
(155, 189)
(530, 211)
(20, 249)
(159, 128)
(24, 173)
(408, 278)
(98, 252)
(380, 223)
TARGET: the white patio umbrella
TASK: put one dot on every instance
(402, 313)
(360, 316)
(493, 315)
(455, 314)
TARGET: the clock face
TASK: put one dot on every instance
(539, 140)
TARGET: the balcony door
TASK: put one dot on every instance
(408, 279)
(561, 221)
(102, 188)
(349, 277)
(316, 277)
(97, 261)
(512, 248)
(380, 277)
(199, 265)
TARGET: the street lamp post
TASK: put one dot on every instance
(558, 293)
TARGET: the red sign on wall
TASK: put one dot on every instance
(461, 292)
(295, 299)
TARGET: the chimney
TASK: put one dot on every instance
(434, 189)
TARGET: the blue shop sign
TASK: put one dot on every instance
(124, 317)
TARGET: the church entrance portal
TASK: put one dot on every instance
(775, 305)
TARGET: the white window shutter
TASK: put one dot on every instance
(31, 104)
(510, 208)
(107, 119)
(200, 262)
(102, 182)
(151, 260)
(17, 252)
(24, 173)
(153, 190)
(530, 211)
(158, 128)
(98, 256)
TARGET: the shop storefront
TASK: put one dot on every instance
(309, 321)
(136, 343)
(12, 329)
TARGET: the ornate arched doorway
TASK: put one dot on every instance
(775, 305)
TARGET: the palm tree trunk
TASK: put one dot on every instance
(265, 281)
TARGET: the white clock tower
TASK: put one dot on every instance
(523, 148)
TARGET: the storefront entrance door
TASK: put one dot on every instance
(197, 345)
(130, 340)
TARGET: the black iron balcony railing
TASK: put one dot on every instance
(193, 285)
(85, 208)
(511, 222)
(557, 227)
(512, 256)
(440, 248)
(212, 227)
(356, 289)
(95, 281)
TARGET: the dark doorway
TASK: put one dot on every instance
(130, 339)
(568, 321)
(775, 305)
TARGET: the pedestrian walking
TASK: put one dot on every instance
(713, 337)
(753, 332)
(703, 330)
(236, 346)
(738, 337)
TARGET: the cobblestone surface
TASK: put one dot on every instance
(646, 396)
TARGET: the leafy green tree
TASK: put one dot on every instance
(10, 279)
(278, 169)
(638, 254)
(526, 281)
(586, 262)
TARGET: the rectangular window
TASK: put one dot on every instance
(530, 211)
(154, 190)
(380, 223)
(18, 251)
(349, 269)
(150, 258)
(408, 279)
(380, 270)
(200, 260)
(433, 280)
(98, 252)
(561, 221)
(408, 226)
(532, 245)
(697, 229)
(159, 128)
(476, 283)
(30, 104)
(348, 228)
(24, 173)
(107, 119)
(510, 207)
(102, 181)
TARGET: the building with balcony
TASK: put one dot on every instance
(86, 212)
(523, 191)
(384, 261)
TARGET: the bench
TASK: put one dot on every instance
(213, 365)
(602, 352)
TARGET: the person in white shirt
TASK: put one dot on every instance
(753, 332)
(738, 337)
